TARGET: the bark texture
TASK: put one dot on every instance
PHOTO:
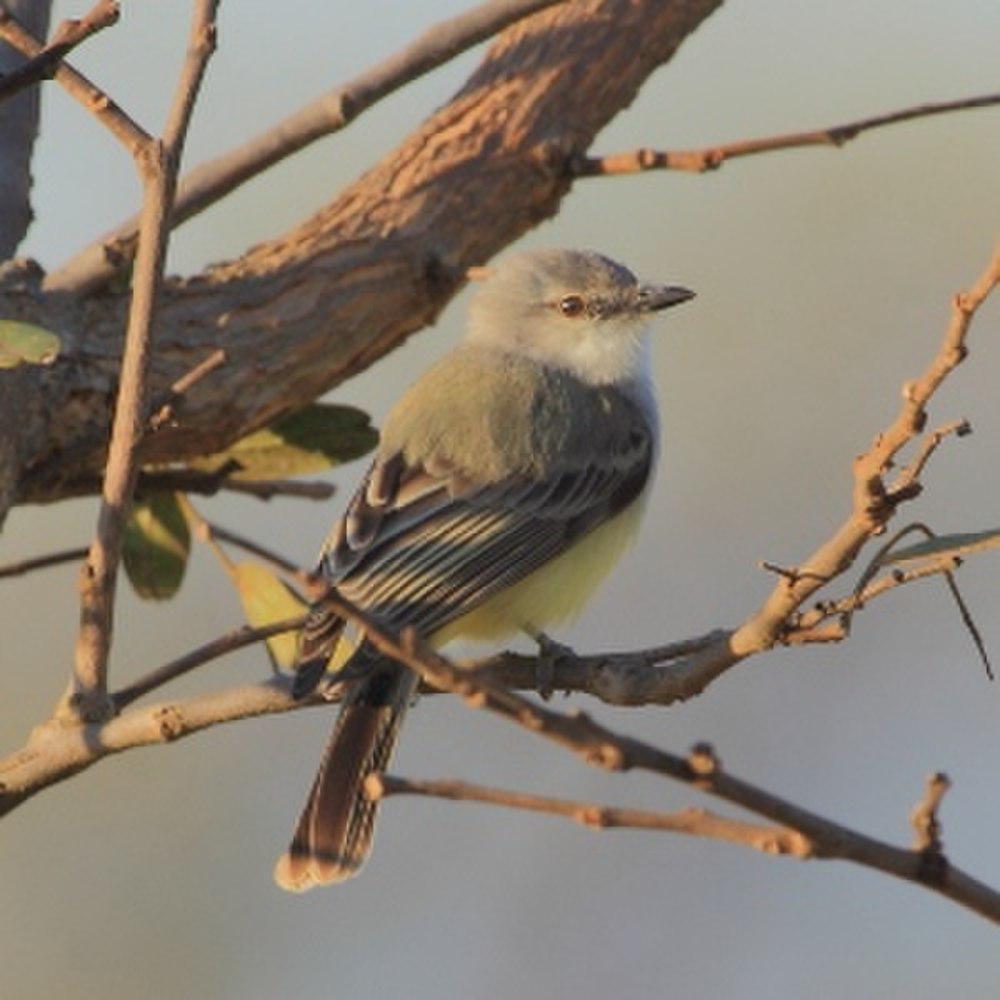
(299, 314)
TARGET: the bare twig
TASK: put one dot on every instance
(210, 483)
(158, 164)
(908, 477)
(860, 598)
(228, 643)
(43, 562)
(872, 506)
(96, 264)
(301, 576)
(127, 131)
(924, 817)
(712, 157)
(65, 38)
(694, 822)
(164, 411)
(209, 533)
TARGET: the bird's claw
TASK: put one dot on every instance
(550, 653)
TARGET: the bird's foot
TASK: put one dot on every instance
(550, 653)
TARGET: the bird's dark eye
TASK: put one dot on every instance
(571, 305)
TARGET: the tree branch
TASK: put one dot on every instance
(56, 752)
(43, 562)
(209, 483)
(228, 643)
(158, 164)
(165, 410)
(657, 675)
(349, 284)
(96, 264)
(713, 157)
(694, 822)
(66, 37)
(600, 747)
(127, 131)
(873, 506)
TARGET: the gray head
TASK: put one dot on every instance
(569, 309)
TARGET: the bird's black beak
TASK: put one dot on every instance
(652, 298)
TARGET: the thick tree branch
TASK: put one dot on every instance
(95, 265)
(66, 37)
(324, 301)
(158, 165)
(713, 157)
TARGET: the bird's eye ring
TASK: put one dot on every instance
(571, 305)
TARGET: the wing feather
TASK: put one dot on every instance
(422, 544)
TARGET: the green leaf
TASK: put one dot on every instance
(24, 343)
(266, 600)
(156, 546)
(310, 440)
(949, 545)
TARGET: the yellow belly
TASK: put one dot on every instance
(557, 591)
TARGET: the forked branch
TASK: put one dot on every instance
(157, 162)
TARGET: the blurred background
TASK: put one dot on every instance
(824, 280)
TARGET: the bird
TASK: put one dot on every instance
(508, 480)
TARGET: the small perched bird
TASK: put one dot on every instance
(508, 480)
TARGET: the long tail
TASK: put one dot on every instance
(334, 834)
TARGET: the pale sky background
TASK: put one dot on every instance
(824, 279)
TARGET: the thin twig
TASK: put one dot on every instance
(859, 599)
(124, 128)
(694, 822)
(712, 157)
(210, 483)
(87, 696)
(96, 264)
(64, 39)
(165, 410)
(43, 562)
(211, 534)
(220, 646)
(908, 477)
(924, 817)
(309, 581)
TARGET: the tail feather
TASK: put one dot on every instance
(334, 834)
(318, 642)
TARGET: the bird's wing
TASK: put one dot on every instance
(421, 545)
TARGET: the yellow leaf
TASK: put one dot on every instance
(267, 600)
